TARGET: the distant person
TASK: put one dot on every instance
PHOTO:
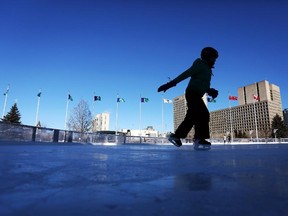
(229, 138)
(224, 138)
(197, 113)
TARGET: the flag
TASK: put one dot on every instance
(120, 100)
(7, 90)
(39, 94)
(233, 97)
(97, 98)
(211, 100)
(70, 97)
(167, 101)
(256, 97)
(143, 100)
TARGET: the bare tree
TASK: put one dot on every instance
(81, 119)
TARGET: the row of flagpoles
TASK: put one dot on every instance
(142, 100)
(95, 98)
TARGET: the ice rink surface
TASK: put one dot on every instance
(57, 179)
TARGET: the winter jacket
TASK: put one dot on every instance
(200, 74)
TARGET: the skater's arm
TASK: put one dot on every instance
(186, 74)
(197, 66)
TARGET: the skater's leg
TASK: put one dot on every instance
(186, 125)
(202, 123)
(193, 100)
(202, 129)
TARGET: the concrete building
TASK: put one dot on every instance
(251, 117)
(101, 122)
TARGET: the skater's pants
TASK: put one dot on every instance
(197, 115)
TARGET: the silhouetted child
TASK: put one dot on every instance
(197, 113)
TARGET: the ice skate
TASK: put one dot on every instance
(202, 144)
(175, 140)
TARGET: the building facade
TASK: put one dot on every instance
(251, 117)
(101, 122)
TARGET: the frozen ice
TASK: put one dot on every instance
(76, 179)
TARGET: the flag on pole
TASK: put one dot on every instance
(120, 100)
(70, 97)
(144, 100)
(97, 98)
(211, 100)
(233, 97)
(37, 122)
(7, 90)
(167, 101)
(256, 97)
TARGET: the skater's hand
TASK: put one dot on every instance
(166, 86)
(212, 92)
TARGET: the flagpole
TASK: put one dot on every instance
(38, 105)
(256, 129)
(5, 102)
(66, 112)
(231, 122)
(4, 108)
(116, 129)
(162, 116)
(93, 106)
(255, 117)
(140, 117)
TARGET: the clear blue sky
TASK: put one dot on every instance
(130, 48)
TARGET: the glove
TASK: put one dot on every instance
(166, 86)
(212, 92)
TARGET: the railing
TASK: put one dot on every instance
(24, 133)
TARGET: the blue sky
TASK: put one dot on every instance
(130, 48)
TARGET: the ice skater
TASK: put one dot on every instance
(197, 113)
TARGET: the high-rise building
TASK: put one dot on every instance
(101, 122)
(261, 90)
(258, 105)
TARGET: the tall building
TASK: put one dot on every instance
(251, 117)
(264, 91)
(258, 105)
(101, 122)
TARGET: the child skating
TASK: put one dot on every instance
(197, 113)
